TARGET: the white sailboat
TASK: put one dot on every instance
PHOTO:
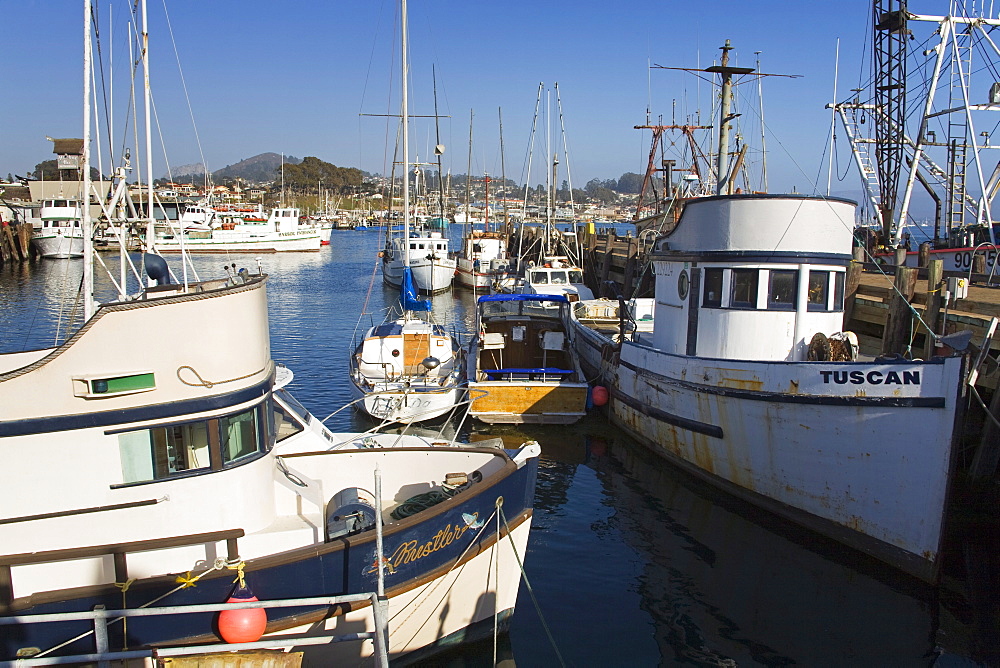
(408, 369)
(141, 483)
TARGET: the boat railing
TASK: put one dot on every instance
(102, 617)
(118, 551)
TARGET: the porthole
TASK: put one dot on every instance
(683, 285)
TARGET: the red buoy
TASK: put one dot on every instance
(599, 395)
(242, 625)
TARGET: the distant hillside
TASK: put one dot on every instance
(256, 170)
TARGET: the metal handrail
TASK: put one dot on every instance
(101, 618)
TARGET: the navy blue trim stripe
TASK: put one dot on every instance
(785, 257)
(45, 425)
(669, 418)
(893, 402)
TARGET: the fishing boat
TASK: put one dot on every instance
(483, 260)
(430, 263)
(522, 364)
(409, 369)
(744, 378)
(179, 478)
(281, 232)
(59, 235)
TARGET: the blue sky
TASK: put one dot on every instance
(294, 76)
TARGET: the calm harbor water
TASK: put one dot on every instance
(631, 562)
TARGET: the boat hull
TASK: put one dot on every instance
(59, 246)
(276, 243)
(528, 402)
(429, 276)
(861, 452)
(452, 547)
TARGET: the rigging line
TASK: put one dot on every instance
(100, 66)
(187, 97)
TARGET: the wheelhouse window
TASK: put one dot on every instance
(713, 288)
(838, 290)
(170, 451)
(819, 290)
(744, 293)
(782, 289)
(576, 276)
(558, 277)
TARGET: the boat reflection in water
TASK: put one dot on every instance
(666, 570)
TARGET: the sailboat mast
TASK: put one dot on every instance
(438, 148)
(151, 224)
(404, 112)
(503, 175)
(468, 179)
(88, 237)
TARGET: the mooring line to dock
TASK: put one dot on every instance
(531, 591)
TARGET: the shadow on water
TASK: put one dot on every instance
(631, 558)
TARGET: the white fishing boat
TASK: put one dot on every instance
(522, 364)
(59, 235)
(140, 485)
(743, 378)
(553, 275)
(281, 232)
(409, 369)
(431, 264)
(483, 260)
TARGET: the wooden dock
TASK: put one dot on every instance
(15, 243)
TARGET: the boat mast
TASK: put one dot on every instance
(468, 180)
(438, 149)
(503, 176)
(88, 237)
(151, 223)
(404, 113)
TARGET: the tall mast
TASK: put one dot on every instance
(503, 175)
(468, 179)
(88, 237)
(404, 112)
(438, 148)
(725, 115)
(151, 224)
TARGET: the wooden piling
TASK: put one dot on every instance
(924, 254)
(899, 320)
(935, 281)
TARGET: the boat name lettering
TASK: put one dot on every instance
(412, 550)
(871, 378)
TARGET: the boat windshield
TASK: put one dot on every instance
(290, 417)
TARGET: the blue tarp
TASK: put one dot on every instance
(408, 294)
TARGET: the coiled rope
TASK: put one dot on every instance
(425, 500)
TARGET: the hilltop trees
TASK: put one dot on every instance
(308, 174)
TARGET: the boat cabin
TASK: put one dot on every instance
(391, 351)
(524, 337)
(55, 211)
(284, 220)
(557, 276)
(432, 245)
(752, 277)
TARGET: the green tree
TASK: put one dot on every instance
(313, 173)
